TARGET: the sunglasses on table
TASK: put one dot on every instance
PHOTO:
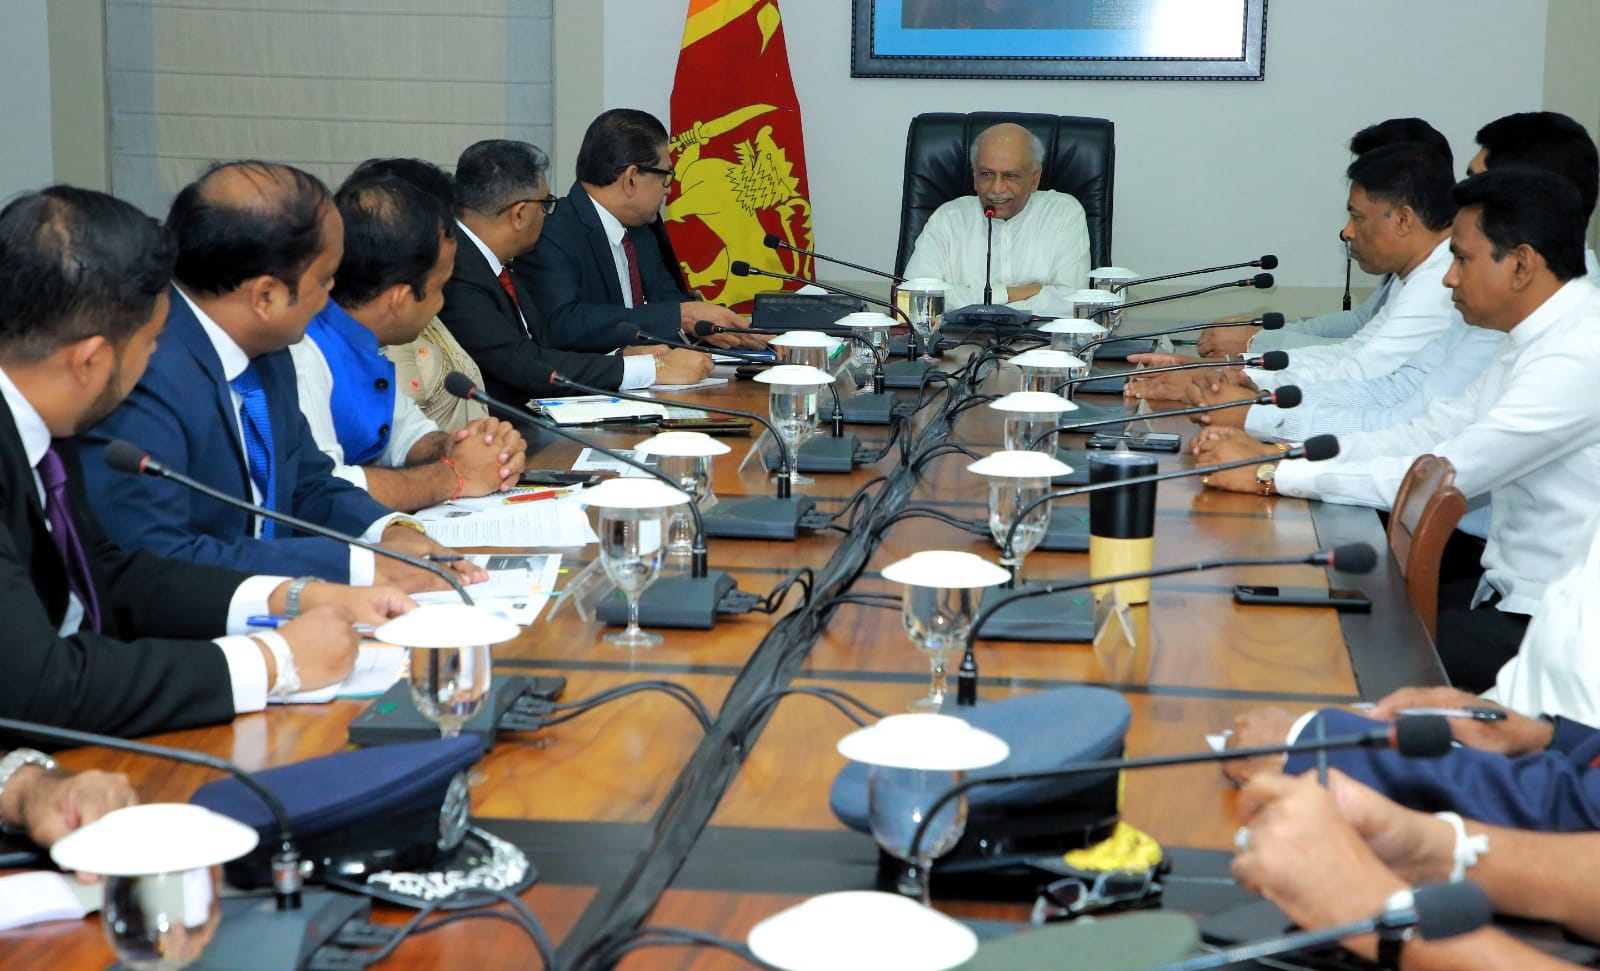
(1072, 897)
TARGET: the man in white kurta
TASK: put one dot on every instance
(1041, 238)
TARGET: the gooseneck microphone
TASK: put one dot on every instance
(741, 268)
(1287, 396)
(288, 878)
(128, 457)
(1268, 262)
(988, 254)
(1436, 911)
(1261, 281)
(773, 242)
(1415, 736)
(1268, 361)
(1272, 320)
(1317, 448)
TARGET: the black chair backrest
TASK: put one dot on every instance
(1080, 159)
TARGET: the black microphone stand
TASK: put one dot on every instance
(773, 242)
(1267, 262)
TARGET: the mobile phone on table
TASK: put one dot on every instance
(1148, 442)
(709, 426)
(1302, 597)
(562, 477)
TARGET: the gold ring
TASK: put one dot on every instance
(1205, 480)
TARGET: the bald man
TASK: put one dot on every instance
(1041, 238)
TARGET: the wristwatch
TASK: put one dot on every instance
(14, 761)
(1391, 945)
(1266, 472)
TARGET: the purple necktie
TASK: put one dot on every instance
(64, 533)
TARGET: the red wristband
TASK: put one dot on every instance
(461, 484)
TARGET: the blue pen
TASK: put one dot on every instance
(557, 402)
(278, 620)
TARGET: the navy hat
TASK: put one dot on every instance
(336, 802)
(1045, 730)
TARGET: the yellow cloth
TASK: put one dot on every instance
(1125, 849)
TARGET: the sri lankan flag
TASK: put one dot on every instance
(738, 154)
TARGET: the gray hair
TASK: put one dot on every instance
(498, 172)
(1035, 146)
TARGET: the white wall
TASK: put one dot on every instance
(26, 158)
(1204, 169)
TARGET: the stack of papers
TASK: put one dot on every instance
(592, 460)
(491, 521)
(518, 587)
(594, 409)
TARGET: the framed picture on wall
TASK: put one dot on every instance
(1152, 40)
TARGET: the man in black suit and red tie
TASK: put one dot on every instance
(96, 638)
(502, 198)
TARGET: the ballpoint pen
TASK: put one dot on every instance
(532, 496)
(278, 620)
(444, 557)
(1480, 713)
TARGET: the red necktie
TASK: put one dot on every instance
(634, 280)
(511, 288)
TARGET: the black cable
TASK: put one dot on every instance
(858, 495)
(680, 937)
(521, 915)
(895, 424)
(973, 526)
(944, 448)
(886, 600)
(841, 700)
(681, 693)
(774, 599)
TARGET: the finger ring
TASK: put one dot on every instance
(1205, 480)
(1241, 839)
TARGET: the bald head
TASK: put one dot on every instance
(1007, 161)
(242, 220)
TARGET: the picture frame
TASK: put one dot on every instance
(1134, 40)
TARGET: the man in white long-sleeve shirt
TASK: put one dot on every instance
(1399, 212)
(1527, 432)
(1041, 238)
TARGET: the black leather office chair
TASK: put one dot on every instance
(1080, 158)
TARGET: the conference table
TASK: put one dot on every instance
(635, 817)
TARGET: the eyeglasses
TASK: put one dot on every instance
(548, 204)
(1072, 896)
(666, 174)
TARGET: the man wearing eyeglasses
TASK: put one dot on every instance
(604, 259)
(502, 199)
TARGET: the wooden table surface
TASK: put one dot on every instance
(634, 816)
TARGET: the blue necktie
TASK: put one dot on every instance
(257, 438)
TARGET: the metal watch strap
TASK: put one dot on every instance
(291, 597)
(13, 762)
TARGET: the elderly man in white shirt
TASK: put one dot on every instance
(1041, 238)
(1527, 432)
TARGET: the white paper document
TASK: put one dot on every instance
(591, 409)
(36, 897)
(489, 521)
(590, 460)
(519, 585)
(711, 382)
(377, 667)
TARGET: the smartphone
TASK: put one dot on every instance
(561, 477)
(1148, 442)
(1302, 597)
(710, 426)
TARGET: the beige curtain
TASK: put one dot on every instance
(321, 84)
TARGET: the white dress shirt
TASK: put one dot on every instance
(247, 669)
(1323, 328)
(314, 378)
(638, 370)
(1046, 243)
(1556, 671)
(234, 361)
(1527, 432)
(1417, 310)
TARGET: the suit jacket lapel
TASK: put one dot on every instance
(595, 234)
(470, 264)
(184, 327)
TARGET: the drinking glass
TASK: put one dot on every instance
(161, 921)
(793, 410)
(449, 684)
(897, 802)
(631, 551)
(1008, 496)
(692, 473)
(1022, 427)
(938, 621)
(922, 301)
(871, 329)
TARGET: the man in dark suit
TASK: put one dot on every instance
(601, 260)
(502, 196)
(96, 638)
(258, 245)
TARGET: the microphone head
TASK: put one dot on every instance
(626, 334)
(1274, 361)
(1271, 320)
(739, 268)
(704, 328)
(126, 457)
(1319, 448)
(459, 385)
(1262, 281)
(1421, 736)
(988, 212)
(1353, 558)
(1268, 262)
(771, 241)
(1449, 909)
(1288, 396)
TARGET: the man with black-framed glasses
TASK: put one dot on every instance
(502, 196)
(604, 258)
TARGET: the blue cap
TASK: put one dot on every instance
(1046, 730)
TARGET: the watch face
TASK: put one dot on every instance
(1265, 473)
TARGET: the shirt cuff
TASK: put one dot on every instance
(1264, 380)
(638, 371)
(1296, 477)
(247, 670)
(1300, 726)
(353, 474)
(250, 600)
(1263, 421)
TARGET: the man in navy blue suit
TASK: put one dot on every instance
(258, 244)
